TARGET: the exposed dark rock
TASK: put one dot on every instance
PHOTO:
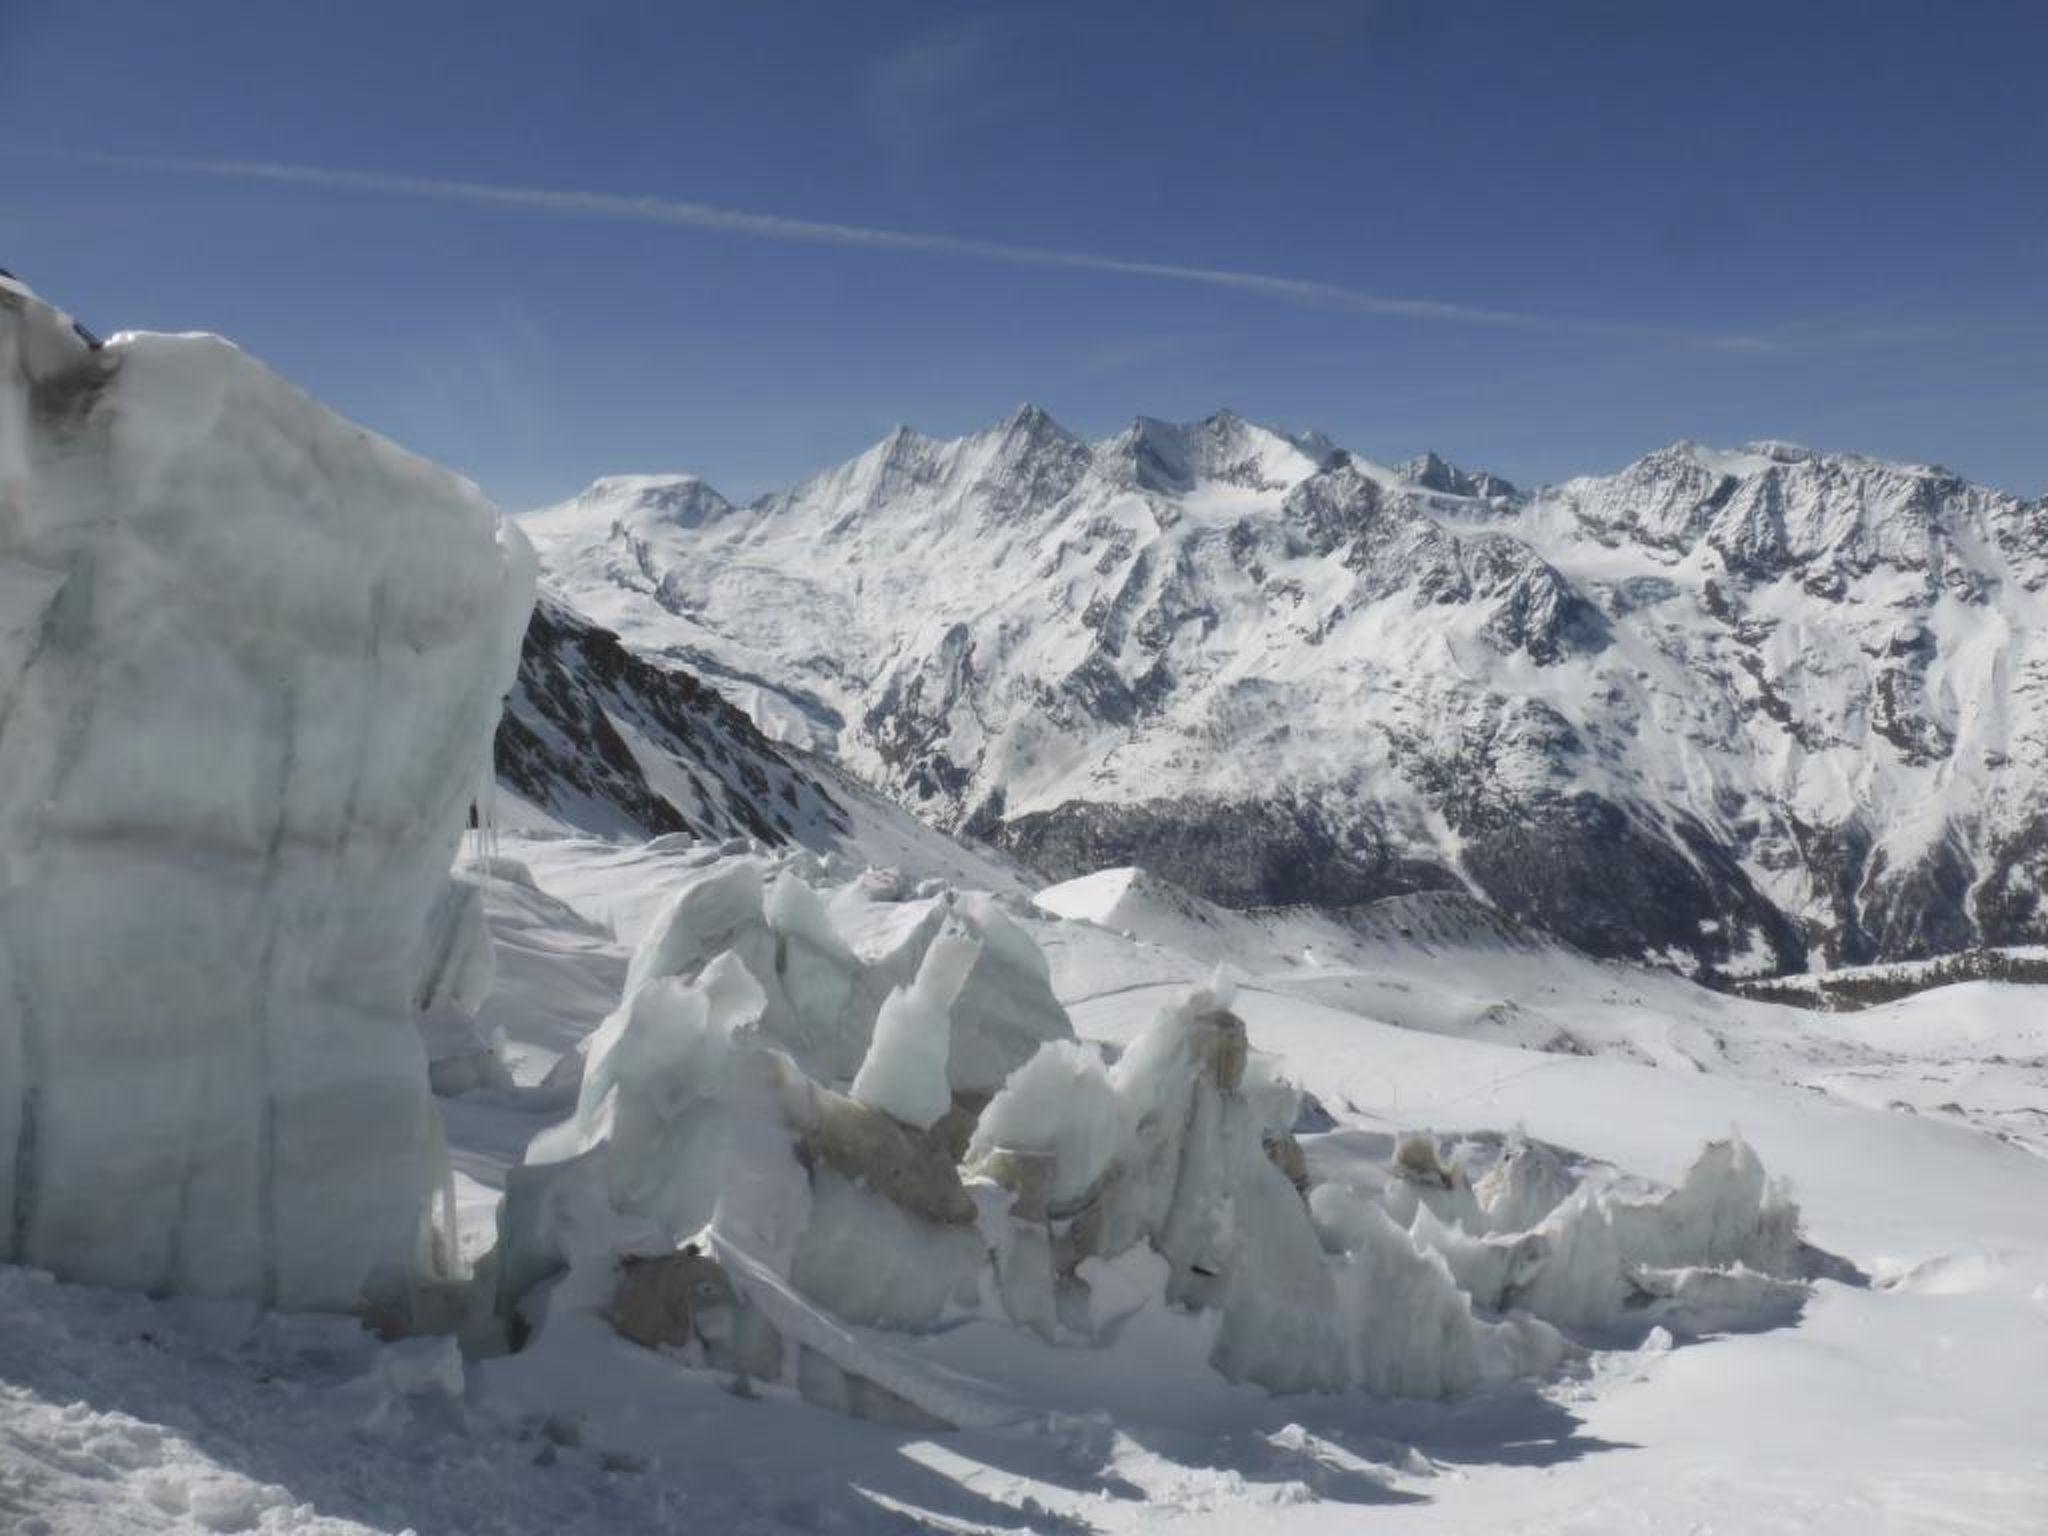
(2009, 897)
(1396, 547)
(561, 745)
(1921, 910)
(1619, 884)
(1263, 853)
(1898, 714)
(1838, 857)
(1434, 473)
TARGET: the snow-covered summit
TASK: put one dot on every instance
(1433, 472)
(1770, 507)
(681, 500)
(1720, 706)
(1224, 448)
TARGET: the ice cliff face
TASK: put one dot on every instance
(1721, 709)
(250, 661)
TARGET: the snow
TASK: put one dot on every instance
(250, 665)
(1006, 623)
(458, 976)
(836, 1197)
(1757, 459)
(1907, 1399)
(1059, 1105)
(832, 952)
(904, 1071)
(706, 1125)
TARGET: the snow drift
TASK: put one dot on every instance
(251, 657)
(785, 1163)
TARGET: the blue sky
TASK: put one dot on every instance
(1542, 238)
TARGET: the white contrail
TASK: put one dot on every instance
(707, 216)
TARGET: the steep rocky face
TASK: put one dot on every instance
(1246, 853)
(611, 742)
(1728, 710)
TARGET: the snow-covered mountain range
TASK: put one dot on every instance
(1724, 709)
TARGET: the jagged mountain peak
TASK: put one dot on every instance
(1772, 510)
(1026, 457)
(1030, 458)
(1779, 451)
(1723, 706)
(1766, 456)
(1029, 432)
(1174, 458)
(1152, 454)
(1032, 421)
(892, 468)
(1433, 472)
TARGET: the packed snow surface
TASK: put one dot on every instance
(250, 661)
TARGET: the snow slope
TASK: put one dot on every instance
(1717, 708)
(250, 661)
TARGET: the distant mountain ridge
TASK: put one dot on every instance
(1727, 710)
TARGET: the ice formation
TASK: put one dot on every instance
(830, 956)
(904, 1071)
(250, 661)
(459, 968)
(713, 1139)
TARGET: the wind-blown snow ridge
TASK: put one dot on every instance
(1722, 708)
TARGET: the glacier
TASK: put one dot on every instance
(250, 664)
(723, 1192)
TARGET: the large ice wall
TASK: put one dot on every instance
(251, 657)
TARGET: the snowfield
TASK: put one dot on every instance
(1903, 1396)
